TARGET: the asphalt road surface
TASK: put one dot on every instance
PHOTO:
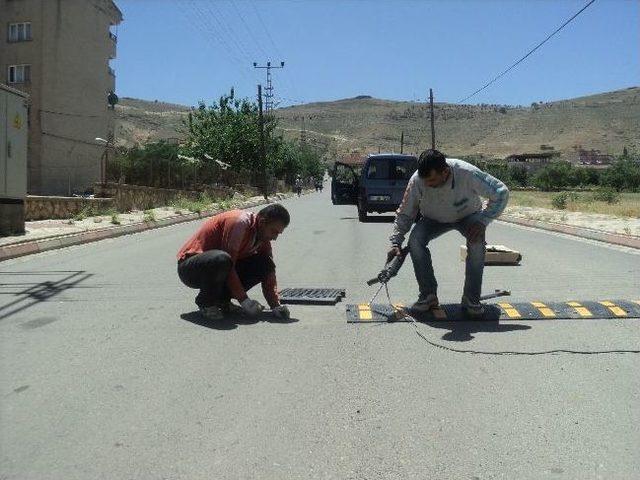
(107, 372)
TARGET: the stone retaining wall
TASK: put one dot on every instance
(135, 197)
(47, 208)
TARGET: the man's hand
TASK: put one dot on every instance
(281, 312)
(475, 232)
(251, 307)
(393, 252)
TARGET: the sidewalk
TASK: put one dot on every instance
(46, 235)
(623, 231)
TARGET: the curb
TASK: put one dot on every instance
(613, 238)
(15, 250)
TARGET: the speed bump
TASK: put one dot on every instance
(543, 311)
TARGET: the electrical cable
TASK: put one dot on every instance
(530, 52)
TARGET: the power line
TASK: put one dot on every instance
(530, 52)
(223, 24)
(211, 35)
(276, 49)
(248, 29)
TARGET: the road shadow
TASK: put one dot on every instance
(29, 293)
(231, 321)
(377, 219)
(463, 330)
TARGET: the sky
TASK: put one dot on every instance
(185, 51)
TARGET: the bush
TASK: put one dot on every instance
(624, 174)
(607, 194)
(559, 200)
(149, 216)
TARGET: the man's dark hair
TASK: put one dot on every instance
(275, 212)
(431, 160)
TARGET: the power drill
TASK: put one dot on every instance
(391, 269)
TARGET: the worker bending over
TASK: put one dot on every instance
(446, 192)
(230, 254)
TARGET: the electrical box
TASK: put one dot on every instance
(13, 159)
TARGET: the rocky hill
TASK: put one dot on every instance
(607, 122)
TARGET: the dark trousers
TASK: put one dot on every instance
(208, 272)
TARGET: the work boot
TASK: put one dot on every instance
(229, 307)
(471, 308)
(213, 312)
(426, 303)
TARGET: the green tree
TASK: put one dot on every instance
(554, 176)
(624, 174)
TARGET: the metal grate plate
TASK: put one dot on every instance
(312, 296)
(573, 310)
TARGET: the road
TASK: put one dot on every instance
(107, 372)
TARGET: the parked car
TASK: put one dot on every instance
(378, 187)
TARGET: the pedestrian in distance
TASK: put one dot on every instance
(298, 185)
(447, 193)
(228, 255)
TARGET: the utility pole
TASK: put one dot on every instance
(268, 91)
(263, 161)
(433, 127)
(402, 143)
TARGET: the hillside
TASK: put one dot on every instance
(606, 122)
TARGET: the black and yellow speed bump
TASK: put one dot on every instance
(571, 310)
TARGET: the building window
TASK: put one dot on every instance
(19, 74)
(20, 32)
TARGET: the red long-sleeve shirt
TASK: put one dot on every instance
(234, 232)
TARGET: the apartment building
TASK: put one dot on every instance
(59, 52)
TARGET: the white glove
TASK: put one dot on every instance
(251, 307)
(281, 312)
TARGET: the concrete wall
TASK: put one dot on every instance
(69, 57)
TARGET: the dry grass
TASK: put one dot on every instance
(629, 205)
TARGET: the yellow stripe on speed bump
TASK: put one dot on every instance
(364, 312)
(509, 310)
(616, 310)
(582, 310)
(544, 310)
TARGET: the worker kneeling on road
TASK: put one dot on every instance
(447, 194)
(230, 254)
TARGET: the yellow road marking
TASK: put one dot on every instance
(583, 311)
(364, 312)
(616, 310)
(544, 310)
(509, 310)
